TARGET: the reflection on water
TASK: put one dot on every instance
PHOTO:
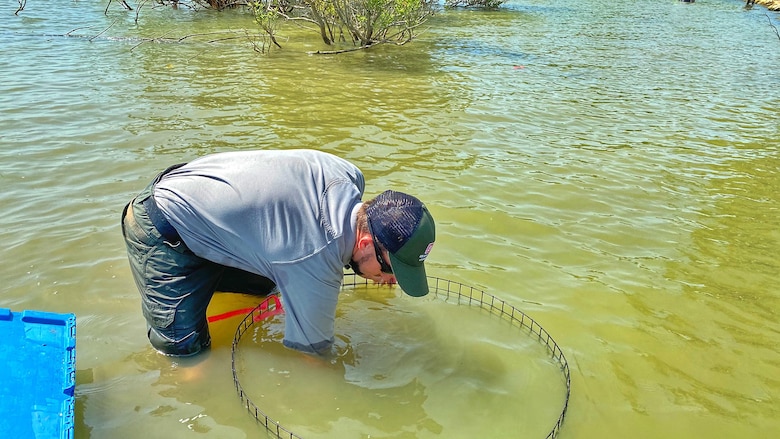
(608, 167)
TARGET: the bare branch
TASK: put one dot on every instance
(147, 40)
(104, 30)
(204, 34)
(335, 52)
(22, 4)
(773, 26)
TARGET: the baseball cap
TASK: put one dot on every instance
(403, 225)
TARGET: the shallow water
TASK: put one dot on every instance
(610, 168)
(412, 368)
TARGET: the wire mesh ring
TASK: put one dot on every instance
(440, 288)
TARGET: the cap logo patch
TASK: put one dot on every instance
(427, 250)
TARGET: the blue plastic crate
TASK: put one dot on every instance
(38, 376)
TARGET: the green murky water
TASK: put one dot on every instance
(610, 168)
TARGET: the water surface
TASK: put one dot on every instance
(610, 168)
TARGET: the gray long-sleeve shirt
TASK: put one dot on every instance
(285, 215)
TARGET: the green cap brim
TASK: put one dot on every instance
(411, 278)
(408, 261)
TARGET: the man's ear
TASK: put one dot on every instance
(364, 240)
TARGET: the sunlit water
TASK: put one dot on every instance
(411, 368)
(610, 168)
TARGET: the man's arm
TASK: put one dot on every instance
(310, 309)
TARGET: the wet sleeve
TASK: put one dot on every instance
(310, 310)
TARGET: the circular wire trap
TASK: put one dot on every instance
(442, 289)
